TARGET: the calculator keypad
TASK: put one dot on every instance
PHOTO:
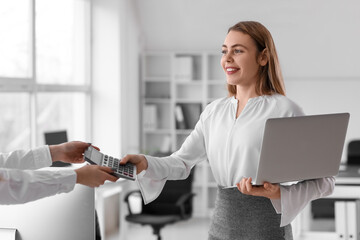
(126, 171)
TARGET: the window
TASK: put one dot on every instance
(14, 121)
(15, 47)
(44, 71)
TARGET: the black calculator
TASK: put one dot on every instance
(95, 157)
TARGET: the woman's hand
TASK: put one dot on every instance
(268, 190)
(70, 152)
(137, 159)
(94, 175)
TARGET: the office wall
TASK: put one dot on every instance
(317, 42)
(115, 70)
(131, 45)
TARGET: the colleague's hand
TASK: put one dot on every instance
(94, 175)
(268, 190)
(70, 152)
(137, 159)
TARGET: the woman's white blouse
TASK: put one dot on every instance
(232, 146)
(20, 182)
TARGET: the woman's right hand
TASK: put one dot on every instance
(139, 160)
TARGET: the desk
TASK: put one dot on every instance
(348, 175)
(120, 188)
(347, 208)
(67, 216)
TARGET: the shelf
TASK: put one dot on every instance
(157, 131)
(157, 66)
(158, 89)
(158, 79)
(189, 91)
(157, 100)
(190, 85)
(188, 101)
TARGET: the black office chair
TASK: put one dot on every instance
(353, 153)
(173, 204)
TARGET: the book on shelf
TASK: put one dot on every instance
(183, 69)
(191, 113)
(150, 117)
(187, 115)
(179, 117)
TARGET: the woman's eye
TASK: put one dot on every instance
(238, 51)
(223, 52)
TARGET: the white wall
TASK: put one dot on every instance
(115, 69)
(131, 46)
(317, 42)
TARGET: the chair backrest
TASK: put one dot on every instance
(353, 153)
(172, 191)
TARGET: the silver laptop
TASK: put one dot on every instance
(301, 148)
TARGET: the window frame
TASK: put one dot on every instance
(30, 86)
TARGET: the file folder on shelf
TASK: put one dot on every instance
(347, 219)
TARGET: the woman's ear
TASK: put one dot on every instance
(263, 57)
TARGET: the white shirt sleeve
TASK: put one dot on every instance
(294, 198)
(26, 159)
(20, 186)
(174, 167)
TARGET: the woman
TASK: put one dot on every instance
(229, 135)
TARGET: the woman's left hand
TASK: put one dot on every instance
(268, 190)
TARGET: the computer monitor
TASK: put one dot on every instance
(55, 137)
(69, 216)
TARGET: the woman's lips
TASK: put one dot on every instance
(231, 70)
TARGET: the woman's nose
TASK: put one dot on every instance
(228, 57)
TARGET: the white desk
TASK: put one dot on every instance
(67, 216)
(109, 189)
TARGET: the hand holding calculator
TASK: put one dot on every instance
(95, 157)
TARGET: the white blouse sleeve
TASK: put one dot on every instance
(294, 198)
(176, 166)
(26, 159)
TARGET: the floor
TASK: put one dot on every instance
(195, 228)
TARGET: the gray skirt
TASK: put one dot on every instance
(245, 217)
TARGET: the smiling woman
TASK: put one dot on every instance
(253, 38)
(229, 135)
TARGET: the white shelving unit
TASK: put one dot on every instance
(161, 88)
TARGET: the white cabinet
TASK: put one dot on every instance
(176, 87)
(345, 225)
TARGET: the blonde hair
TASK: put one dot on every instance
(270, 80)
